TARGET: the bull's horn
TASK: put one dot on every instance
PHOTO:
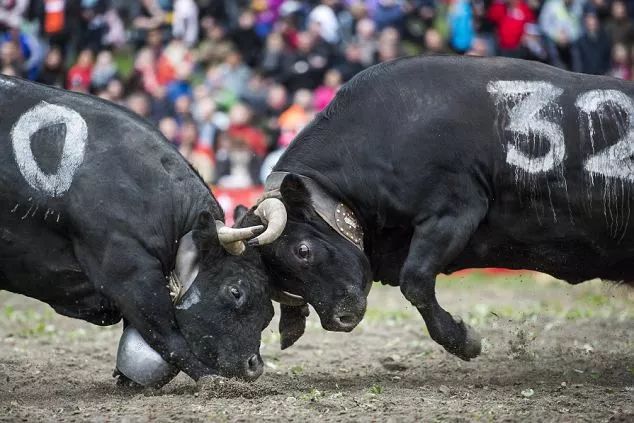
(231, 238)
(286, 298)
(273, 213)
(227, 234)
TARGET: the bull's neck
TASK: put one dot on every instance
(354, 191)
(189, 202)
(195, 201)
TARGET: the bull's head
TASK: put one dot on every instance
(222, 300)
(309, 261)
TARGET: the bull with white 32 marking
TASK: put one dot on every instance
(97, 210)
(429, 165)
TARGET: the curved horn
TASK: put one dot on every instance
(286, 298)
(227, 234)
(272, 212)
(231, 238)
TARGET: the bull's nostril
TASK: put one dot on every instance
(253, 368)
(346, 319)
(254, 363)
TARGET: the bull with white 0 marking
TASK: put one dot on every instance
(104, 220)
(447, 163)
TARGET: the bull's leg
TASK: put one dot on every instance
(435, 243)
(147, 306)
(138, 288)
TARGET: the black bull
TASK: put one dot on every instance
(93, 206)
(451, 163)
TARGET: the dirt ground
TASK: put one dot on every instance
(552, 352)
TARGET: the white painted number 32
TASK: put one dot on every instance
(43, 116)
(532, 115)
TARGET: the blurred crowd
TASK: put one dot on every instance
(231, 82)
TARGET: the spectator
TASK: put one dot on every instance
(241, 128)
(53, 70)
(273, 55)
(59, 22)
(93, 24)
(323, 19)
(621, 67)
(389, 13)
(11, 13)
(236, 166)
(352, 63)
(246, 40)
(215, 47)
(79, 76)
(560, 20)
(510, 17)
(114, 91)
(206, 118)
(297, 115)
(388, 45)
(150, 16)
(532, 46)
(367, 41)
(29, 51)
(180, 85)
(175, 55)
(254, 94)
(185, 21)
(182, 109)
(145, 69)
(115, 36)
(594, 47)
(460, 25)
(619, 25)
(199, 157)
(11, 56)
(169, 129)
(326, 92)
(231, 76)
(434, 43)
(103, 71)
(276, 103)
(139, 104)
(306, 67)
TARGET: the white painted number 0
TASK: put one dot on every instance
(42, 116)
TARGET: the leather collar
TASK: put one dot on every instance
(336, 214)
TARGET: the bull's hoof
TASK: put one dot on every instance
(471, 347)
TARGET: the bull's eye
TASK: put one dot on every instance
(235, 292)
(303, 251)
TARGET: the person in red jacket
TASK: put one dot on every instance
(79, 76)
(509, 17)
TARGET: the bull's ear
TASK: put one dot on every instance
(238, 214)
(292, 324)
(205, 235)
(187, 265)
(294, 193)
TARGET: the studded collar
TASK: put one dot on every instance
(336, 214)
